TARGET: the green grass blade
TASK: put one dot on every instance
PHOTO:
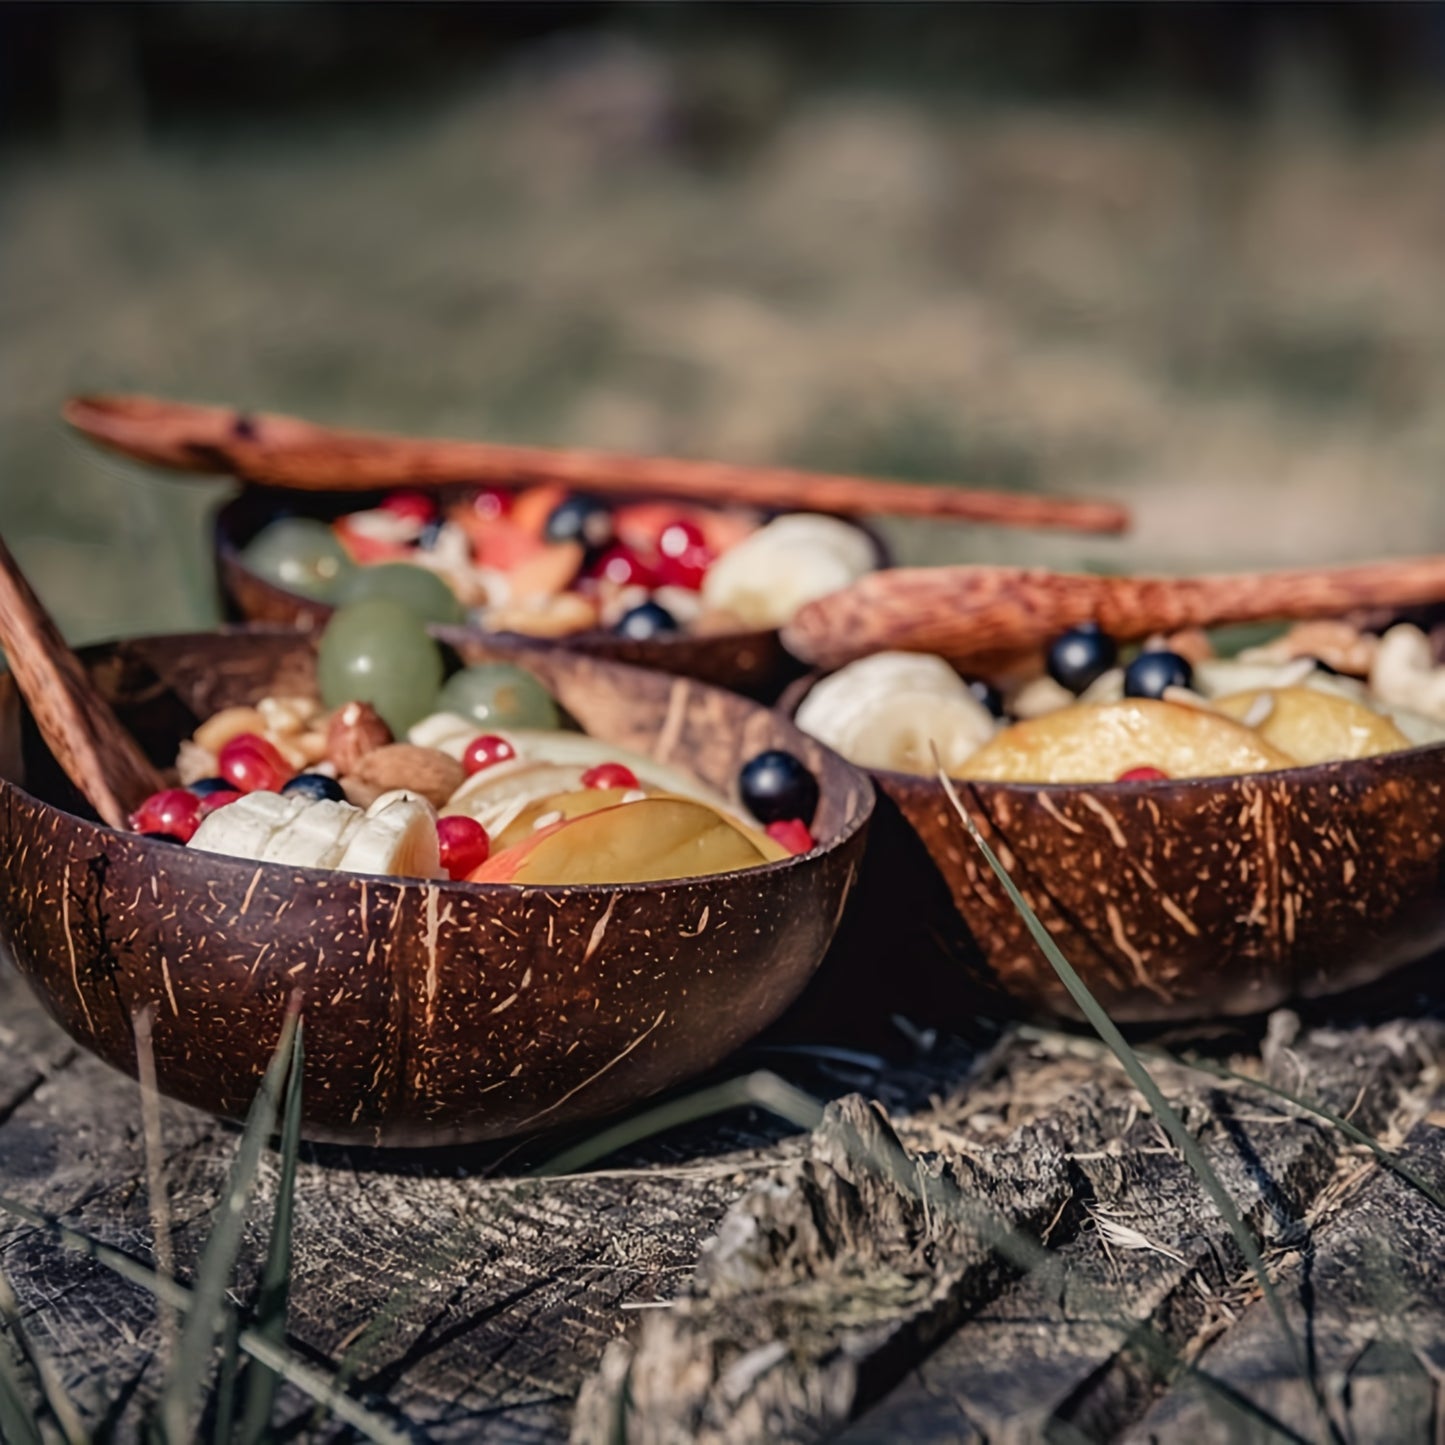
(273, 1298)
(18, 1425)
(180, 1400)
(226, 1381)
(62, 1411)
(1386, 1156)
(1163, 1111)
(312, 1382)
(762, 1089)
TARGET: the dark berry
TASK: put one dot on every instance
(1324, 667)
(987, 694)
(1081, 655)
(204, 787)
(315, 786)
(776, 787)
(647, 619)
(580, 519)
(1151, 672)
(428, 539)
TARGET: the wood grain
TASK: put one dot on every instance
(283, 451)
(980, 616)
(98, 754)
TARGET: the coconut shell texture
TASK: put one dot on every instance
(1196, 898)
(434, 1013)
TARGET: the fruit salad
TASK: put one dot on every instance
(484, 785)
(1322, 692)
(546, 562)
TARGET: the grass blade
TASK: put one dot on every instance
(180, 1400)
(226, 1380)
(1163, 1111)
(18, 1425)
(316, 1384)
(273, 1297)
(62, 1411)
(761, 1088)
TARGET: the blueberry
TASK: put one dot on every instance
(581, 519)
(647, 619)
(1151, 672)
(987, 694)
(315, 786)
(1081, 656)
(1324, 667)
(428, 539)
(204, 787)
(775, 788)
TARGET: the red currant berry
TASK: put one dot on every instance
(218, 799)
(464, 845)
(410, 506)
(792, 834)
(609, 775)
(1141, 775)
(686, 569)
(623, 568)
(491, 503)
(251, 764)
(176, 811)
(486, 750)
(681, 537)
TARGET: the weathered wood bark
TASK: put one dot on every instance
(748, 1285)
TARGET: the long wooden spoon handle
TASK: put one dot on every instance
(283, 451)
(98, 754)
(974, 615)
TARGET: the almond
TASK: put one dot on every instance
(354, 731)
(426, 771)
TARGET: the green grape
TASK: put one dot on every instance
(300, 554)
(424, 592)
(378, 651)
(500, 695)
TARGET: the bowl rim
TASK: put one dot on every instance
(227, 550)
(855, 822)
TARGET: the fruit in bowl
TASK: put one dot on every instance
(1202, 835)
(460, 976)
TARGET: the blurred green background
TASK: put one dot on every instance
(1190, 257)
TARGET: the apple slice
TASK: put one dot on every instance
(641, 842)
(1096, 742)
(1314, 726)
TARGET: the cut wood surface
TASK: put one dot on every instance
(284, 451)
(739, 1282)
(980, 616)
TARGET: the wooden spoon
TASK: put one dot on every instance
(98, 754)
(986, 616)
(283, 451)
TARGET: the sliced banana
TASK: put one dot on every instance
(245, 828)
(316, 837)
(837, 706)
(900, 732)
(447, 732)
(791, 561)
(398, 836)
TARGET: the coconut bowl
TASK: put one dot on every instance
(751, 661)
(1194, 898)
(433, 1012)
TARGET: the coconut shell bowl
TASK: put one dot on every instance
(1179, 899)
(434, 1013)
(747, 660)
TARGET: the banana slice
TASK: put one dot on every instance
(316, 837)
(447, 732)
(794, 559)
(245, 828)
(398, 836)
(900, 732)
(833, 710)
